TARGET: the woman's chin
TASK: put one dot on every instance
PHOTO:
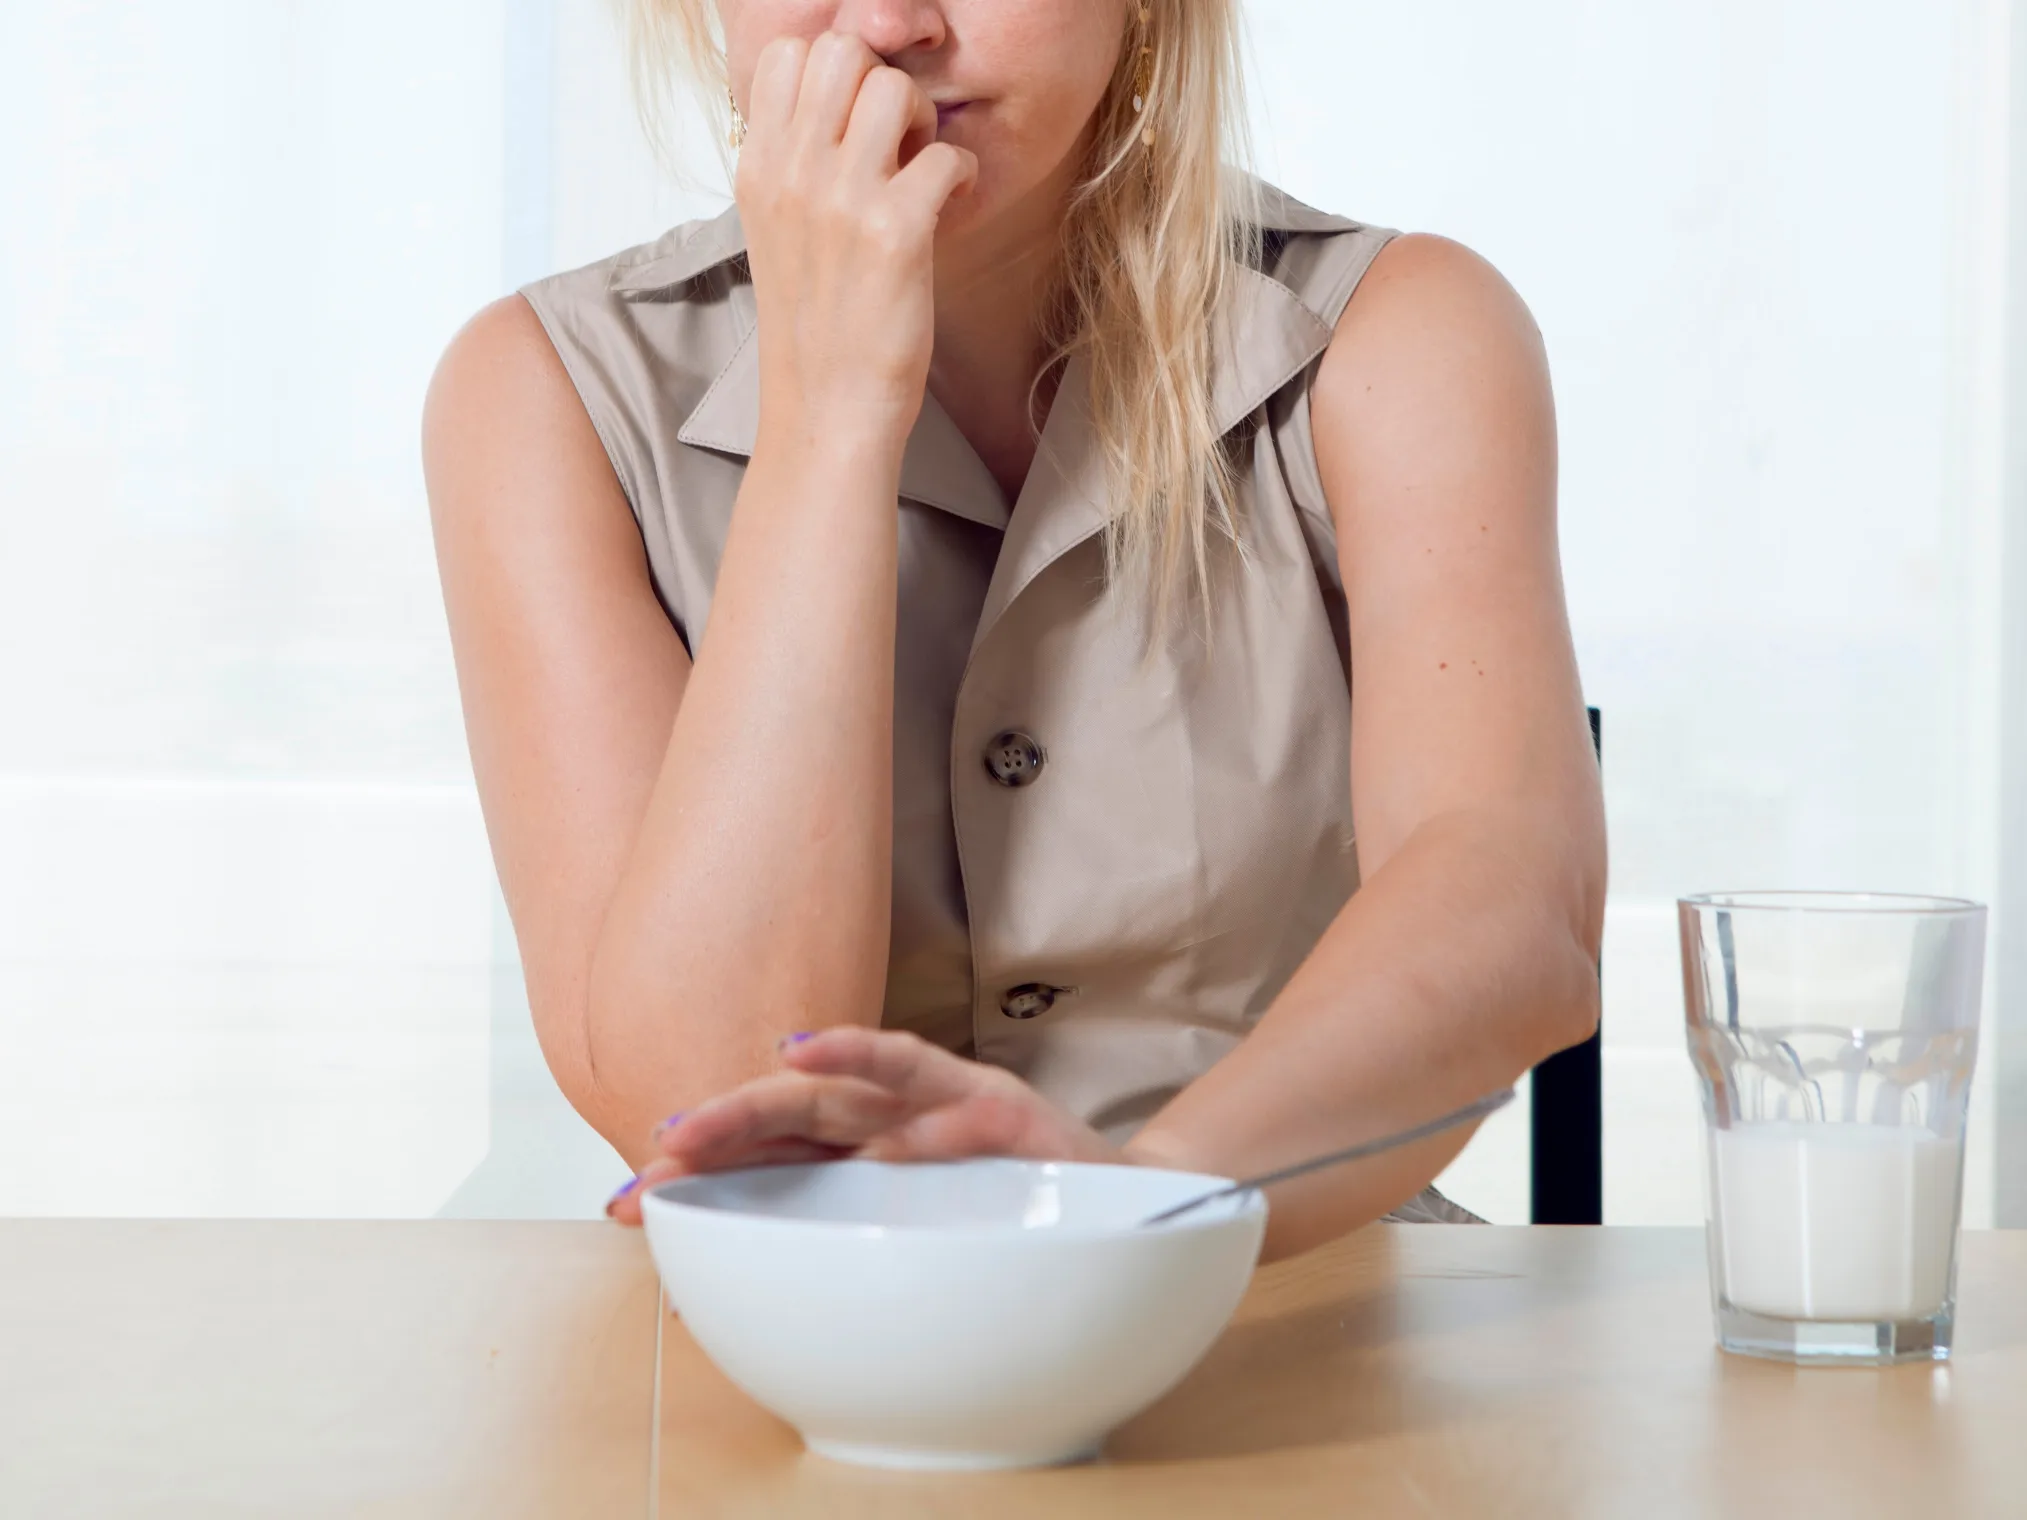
(964, 213)
(1002, 211)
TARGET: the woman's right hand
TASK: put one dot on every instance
(839, 187)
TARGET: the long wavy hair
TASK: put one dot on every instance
(1153, 234)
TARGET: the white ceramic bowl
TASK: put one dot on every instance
(969, 1314)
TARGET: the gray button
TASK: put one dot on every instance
(1013, 758)
(1029, 999)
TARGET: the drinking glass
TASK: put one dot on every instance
(1834, 1036)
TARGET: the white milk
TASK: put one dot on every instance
(1834, 1221)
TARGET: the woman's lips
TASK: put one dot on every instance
(948, 111)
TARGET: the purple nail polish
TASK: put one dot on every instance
(669, 1123)
(797, 1039)
(627, 1187)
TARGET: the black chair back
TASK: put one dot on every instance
(1567, 1143)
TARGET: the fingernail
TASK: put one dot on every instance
(669, 1123)
(794, 1039)
(627, 1187)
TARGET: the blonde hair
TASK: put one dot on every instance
(1152, 237)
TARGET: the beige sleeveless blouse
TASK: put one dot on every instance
(1105, 867)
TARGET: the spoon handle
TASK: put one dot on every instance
(1478, 1110)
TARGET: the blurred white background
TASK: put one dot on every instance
(252, 959)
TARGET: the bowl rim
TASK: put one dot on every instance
(1244, 1208)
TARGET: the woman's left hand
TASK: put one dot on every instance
(874, 1094)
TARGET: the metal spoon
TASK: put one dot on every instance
(1464, 1115)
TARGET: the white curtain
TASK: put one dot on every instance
(251, 956)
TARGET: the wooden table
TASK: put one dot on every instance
(448, 1369)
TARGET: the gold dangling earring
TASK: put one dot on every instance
(735, 134)
(1143, 79)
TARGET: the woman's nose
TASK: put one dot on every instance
(893, 27)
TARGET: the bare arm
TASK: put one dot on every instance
(1470, 951)
(685, 886)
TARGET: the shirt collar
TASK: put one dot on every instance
(1265, 337)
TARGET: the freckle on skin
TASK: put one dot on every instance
(1444, 666)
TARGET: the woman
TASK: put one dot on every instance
(1094, 544)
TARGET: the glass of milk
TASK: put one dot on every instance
(1834, 1036)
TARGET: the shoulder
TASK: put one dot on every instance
(1433, 337)
(1360, 278)
(1415, 343)
(624, 344)
(644, 307)
(1434, 423)
(499, 376)
(514, 467)
(1441, 289)
(515, 346)
(1430, 303)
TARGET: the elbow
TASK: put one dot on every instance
(1570, 1002)
(1577, 1014)
(617, 1119)
(1580, 938)
(1566, 995)
(566, 1030)
(564, 1033)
